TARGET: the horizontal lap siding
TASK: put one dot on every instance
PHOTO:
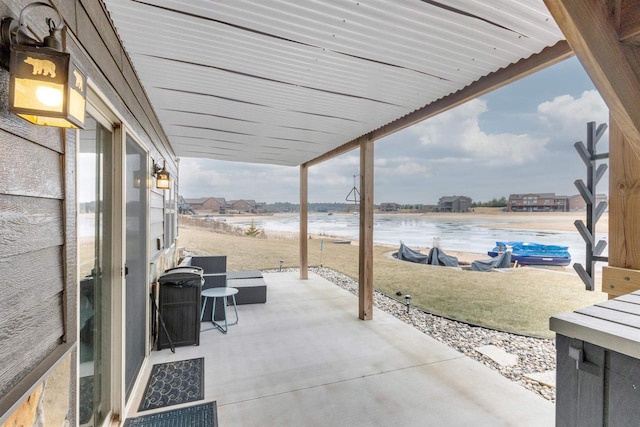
(156, 223)
(32, 238)
(29, 224)
(32, 311)
(45, 173)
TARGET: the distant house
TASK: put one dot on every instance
(183, 206)
(87, 207)
(537, 202)
(243, 206)
(208, 205)
(389, 207)
(577, 203)
(454, 204)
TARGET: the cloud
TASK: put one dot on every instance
(565, 117)
(231, 180)
(458, 131)
(200, 175)
(402, 166)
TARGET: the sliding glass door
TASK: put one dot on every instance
(136, 179)
(95, 215)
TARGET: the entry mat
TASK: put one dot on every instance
(204, 415)
(174, 383)
(86, 399)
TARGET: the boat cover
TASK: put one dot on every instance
(436, 256)
(533, 249)
(405, 253)
(501, 261)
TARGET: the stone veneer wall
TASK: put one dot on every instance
(48, 405)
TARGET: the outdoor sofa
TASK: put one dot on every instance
(252, 289)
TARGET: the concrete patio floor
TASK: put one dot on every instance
(305, 359)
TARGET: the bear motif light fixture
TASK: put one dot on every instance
(46, 87)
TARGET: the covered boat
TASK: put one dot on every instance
(534, 253)
(436, 256)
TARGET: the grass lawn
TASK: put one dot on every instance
(520, 300)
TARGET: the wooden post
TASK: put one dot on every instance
(624, 216)
(365, 294)
(602, 34)
(304, 219)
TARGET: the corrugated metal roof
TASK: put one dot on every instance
(284, 81)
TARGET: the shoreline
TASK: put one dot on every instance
(531, 221)
(535, 221)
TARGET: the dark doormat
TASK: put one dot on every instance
(86, 399)
(205, 415)
(174, 383)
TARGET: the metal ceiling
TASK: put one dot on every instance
(285, 81)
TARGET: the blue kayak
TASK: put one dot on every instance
(534, 253)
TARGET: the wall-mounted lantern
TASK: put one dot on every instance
(163, 180)
(46, 87)
(138, 176)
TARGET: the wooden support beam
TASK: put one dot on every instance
(365, 294)
(624, 215)
(495, 80)
(628, 20)
(304, 222)
(591, 28)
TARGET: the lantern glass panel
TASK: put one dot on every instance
(46, 88)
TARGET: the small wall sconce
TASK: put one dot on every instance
(137, 178)
(46, 87)
(163, 180)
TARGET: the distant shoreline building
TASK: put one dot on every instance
(219, 205)
(208, 205)
(389, 207)
(454, 204)
(245, 206)
(537, 202)
(577, 203)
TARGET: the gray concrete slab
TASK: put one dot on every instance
(305, 359)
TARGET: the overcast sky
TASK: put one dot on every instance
(517, 139)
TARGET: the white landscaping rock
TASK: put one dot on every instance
(498, 355)
(547, 378)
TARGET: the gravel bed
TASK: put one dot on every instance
(534, 354)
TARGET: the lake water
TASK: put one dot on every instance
(467, 234)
